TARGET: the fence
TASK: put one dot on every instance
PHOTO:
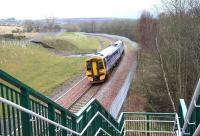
(189, 120)
(15, 122)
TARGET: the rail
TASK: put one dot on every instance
(15, 122)
(190, 119)
(33, 114)
(24, 111)
(150, 124)
(146, 123)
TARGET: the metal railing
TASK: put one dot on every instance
(15, 122)
(20, 123)
(190, 120)
(57, 125)
(35, 116)
(26, 112)
(150, 124)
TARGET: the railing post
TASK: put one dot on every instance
(148, 134)
(25, 118)
(64, 122)
(192, 122)
(182, 112)
(180, 115)
(74, 124)
(198, 112)
(51, 116)
(121, 125)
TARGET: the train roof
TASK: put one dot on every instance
(108, 51)
(118, 42)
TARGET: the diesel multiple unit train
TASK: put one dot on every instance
(102, 63)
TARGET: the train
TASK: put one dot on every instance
(100, 65)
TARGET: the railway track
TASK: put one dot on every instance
(70, 96)
(85, 98)
(80, 94)
(83, 91)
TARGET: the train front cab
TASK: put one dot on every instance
(96, 69)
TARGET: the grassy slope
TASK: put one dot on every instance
(38, 67)
(75, 42)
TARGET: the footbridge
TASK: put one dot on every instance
(26, 112)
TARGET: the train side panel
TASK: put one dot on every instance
(114, 58)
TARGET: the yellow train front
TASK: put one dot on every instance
(101, 64)
(96, 69)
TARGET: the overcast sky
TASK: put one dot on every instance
(40, 9)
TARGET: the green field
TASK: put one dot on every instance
(38, 67)
(76, 42)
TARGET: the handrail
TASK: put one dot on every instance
(192, 106)
(38, 95)
(3, 100)
(93, 100)
(117, 125)
(100, 129)
(149, 113)
(183, 107)
(98, 113)
(13, 81)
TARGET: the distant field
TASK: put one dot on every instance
(76, 42)
(8, 29)
(38, 67)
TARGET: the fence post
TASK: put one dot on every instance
(198, 112)
(51, 116)
(148, 134)
(25, 118)
(180, 115)
(192, 126)
(121, 125)
(64, 122)
(74, 124)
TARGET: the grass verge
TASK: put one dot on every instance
(76, 42)
(38, 67)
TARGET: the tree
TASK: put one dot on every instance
(50, 23)
(28, 25)
(172, 62)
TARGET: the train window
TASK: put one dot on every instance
(108, 58)
(89, 66)
(100, 65)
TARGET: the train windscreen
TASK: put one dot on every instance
(100, 65)
(89, 66)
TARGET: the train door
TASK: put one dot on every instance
(95, 70)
